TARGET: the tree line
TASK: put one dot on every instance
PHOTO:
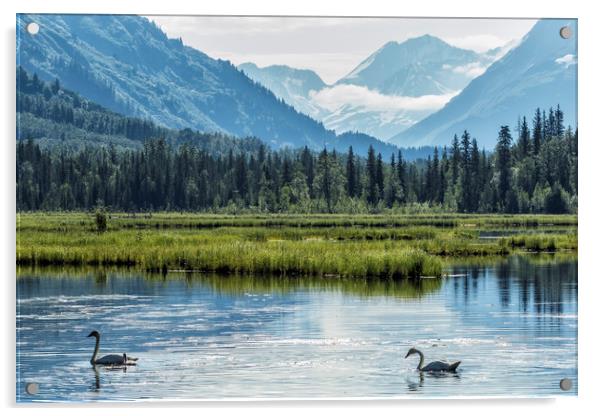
(534, 173)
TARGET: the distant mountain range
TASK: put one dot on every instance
(540, 72)
(127, 64)
(416, 93)
(392, 89)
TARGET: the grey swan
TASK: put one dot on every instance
(435, 366)
(111, 359)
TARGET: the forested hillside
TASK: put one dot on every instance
(54, 116)
(535, 173)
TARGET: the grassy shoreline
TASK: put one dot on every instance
(287, 245)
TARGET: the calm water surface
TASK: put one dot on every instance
(513, 324)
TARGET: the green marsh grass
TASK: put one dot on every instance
(284, 245)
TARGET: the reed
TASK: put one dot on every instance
(362, 246)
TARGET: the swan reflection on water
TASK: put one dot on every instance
(96, 368)
(416, 385)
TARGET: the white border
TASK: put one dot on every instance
(589, 198)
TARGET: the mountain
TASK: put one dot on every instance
(127, 64)
(402, 83)
(540, 72)
(289, 84)
(425, 65)
(53, 116)
(395, 87)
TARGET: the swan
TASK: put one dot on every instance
(435, 366)
(111, 359)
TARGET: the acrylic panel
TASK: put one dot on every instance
(220, 207)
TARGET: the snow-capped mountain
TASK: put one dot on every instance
(425, 65)
(292, 85)
(540, 72)
(392, 89)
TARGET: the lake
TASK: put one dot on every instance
(512, 323)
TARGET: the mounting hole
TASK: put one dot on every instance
(32, 388)
(565, 32)
(566, 384)
(32, 28)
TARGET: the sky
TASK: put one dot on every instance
(332, 47)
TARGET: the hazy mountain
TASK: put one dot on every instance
(425, 65)
(540, 72)
(127, 64)
(395, 87)
(290, 84)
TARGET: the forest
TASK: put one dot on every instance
(533, 168)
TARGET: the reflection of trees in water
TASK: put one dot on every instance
(535, 283)
(240, 284)
(101, 280)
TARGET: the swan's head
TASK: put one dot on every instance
(411, 351)
(94, 334)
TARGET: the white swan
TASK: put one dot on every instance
(111, 359)
(435, 366)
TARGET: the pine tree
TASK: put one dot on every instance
(524, 139)
(401, 177)
(503, 164)
(380, 177)
(392, 185)
(559, 118)
(351, 174)
(436, 186)
(466, 182)
(537, 131)
(372, 192)
(456, 159)
(476, 178)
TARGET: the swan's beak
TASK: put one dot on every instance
(408, 354)
(90, 335)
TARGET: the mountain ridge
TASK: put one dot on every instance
(129, 65)
(530, 75)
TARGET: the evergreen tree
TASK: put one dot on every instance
(372, 191)
(524, 139)
(503, 164)
(455, 159)
(380, 177)
(351, 174)
(537, 131)
(401, 177)
(466, 178)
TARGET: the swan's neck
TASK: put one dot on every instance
(421, 360)
(96, 348)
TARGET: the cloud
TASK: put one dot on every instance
(471, 70)
(567, 60)
(332, 98)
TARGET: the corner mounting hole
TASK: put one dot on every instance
(32, 388)
(33, 28)
(566, 384)
(565, 32)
